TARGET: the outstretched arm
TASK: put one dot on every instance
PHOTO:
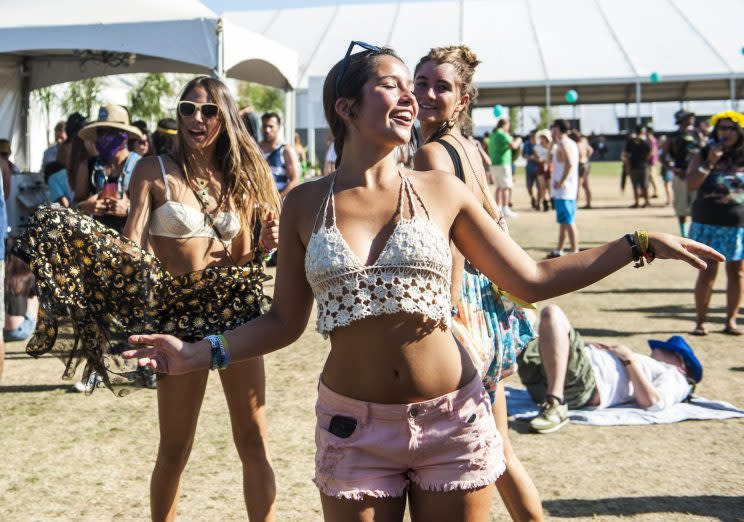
(496, 255)
(280, 326)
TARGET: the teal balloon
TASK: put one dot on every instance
(498, 110)
(655, 77)
(572, 96)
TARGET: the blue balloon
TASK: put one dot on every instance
(498, 110)
(572, 96)
(655, 77)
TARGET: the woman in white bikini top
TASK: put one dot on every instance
(197, 211)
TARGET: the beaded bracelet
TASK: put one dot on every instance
(220, 352)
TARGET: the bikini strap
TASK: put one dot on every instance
(323, 210)
(410, 192)
(165, 180)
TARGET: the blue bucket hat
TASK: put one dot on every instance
(678, 345)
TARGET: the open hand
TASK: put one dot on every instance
(269, 237)
(668, 246)
(168, 354)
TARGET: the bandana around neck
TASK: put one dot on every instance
(109, 144)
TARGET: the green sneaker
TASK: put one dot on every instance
(552, 417)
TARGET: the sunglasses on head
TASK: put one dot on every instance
(347, 57)
(189, 108)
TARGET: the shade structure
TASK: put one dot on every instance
(48, 42)
(531, 49)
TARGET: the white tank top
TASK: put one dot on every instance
(571, 187)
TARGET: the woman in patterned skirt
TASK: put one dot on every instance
(196, 212)
(717, 173)
(444, 91)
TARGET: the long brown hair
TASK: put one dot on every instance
(77, 154)
(250, 184)
(464, 60)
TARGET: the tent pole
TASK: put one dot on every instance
(25, 115)
(310, 152)
(462, 20)
(547, 104)
(290, 104)
(638, 103)
(219, 70)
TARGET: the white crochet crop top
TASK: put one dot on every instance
(411, 274)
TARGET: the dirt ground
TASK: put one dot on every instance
(71, 457)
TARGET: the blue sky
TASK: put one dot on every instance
(220, 6)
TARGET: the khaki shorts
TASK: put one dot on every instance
(682, 198)
(580, 383)
(502, 176)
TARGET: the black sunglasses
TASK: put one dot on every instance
(345, 61)
(188, 109)
(727, 127)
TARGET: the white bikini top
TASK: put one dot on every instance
(176, 220)
(411, 274)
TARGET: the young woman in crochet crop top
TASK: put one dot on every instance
(401, 408)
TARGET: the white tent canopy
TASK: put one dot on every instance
(603, 48)
(53, 42)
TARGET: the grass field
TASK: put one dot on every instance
(71, 457)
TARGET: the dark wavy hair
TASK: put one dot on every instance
(359, 69)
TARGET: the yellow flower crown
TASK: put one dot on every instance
(734, 116)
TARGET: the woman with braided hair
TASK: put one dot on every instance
(443, 85)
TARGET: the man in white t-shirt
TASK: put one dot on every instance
(564, 186)
(562, 371)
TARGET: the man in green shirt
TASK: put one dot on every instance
(500, 148)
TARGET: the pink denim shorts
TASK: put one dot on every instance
(369, 449)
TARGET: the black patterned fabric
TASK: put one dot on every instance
(109, 288)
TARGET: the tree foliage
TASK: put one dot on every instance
(263, 98)
(46, 98)
(514, 118)
(82, 96)
(146, 99)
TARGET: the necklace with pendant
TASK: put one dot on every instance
(203, 192)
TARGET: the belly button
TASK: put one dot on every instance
(396, 374)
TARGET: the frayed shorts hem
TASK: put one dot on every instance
(359, 493)
(456, 485)
(462, 485)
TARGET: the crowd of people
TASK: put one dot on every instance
(404, 251)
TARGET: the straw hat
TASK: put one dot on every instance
(111, 116)
(544, 133)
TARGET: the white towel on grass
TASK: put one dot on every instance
(520, 405)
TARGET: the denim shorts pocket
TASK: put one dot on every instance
(473, 411)
(338, 427)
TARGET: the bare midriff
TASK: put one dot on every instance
(181, 256)
(378, 359)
